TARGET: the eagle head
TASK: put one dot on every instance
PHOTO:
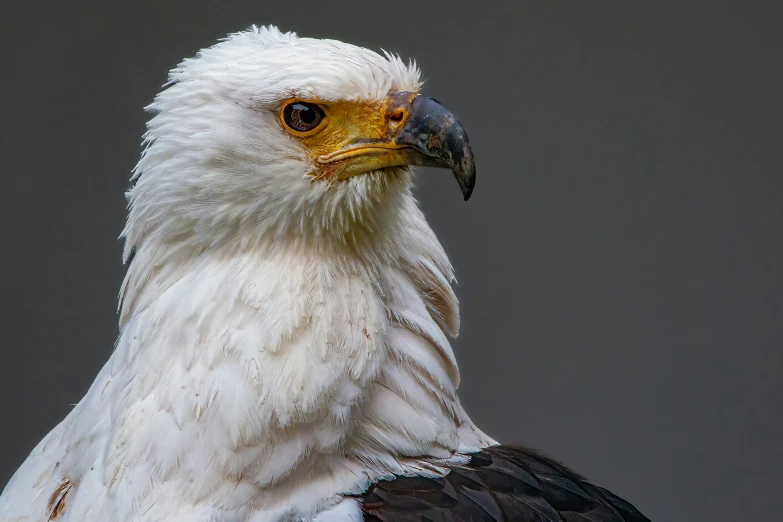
(268, 136)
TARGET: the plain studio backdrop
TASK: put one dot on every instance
(620, 264)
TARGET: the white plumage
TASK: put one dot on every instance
(283, 339)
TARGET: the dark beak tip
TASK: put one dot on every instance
(467, 184)
(466, 172)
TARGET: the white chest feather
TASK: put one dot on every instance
(255, 388)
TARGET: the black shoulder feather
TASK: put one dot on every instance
(500, 483)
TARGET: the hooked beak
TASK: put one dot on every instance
(417, 131)
(434, 138)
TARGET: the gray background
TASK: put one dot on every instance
(620, 263)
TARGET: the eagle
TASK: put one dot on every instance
(284, 324)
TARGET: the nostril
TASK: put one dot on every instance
(397, 115)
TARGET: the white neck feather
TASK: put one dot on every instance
(290, 368)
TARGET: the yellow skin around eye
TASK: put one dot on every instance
(354, 137)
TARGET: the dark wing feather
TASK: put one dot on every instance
(500, 483)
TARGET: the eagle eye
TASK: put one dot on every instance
(303, 116)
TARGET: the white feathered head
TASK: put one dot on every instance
(268, 136)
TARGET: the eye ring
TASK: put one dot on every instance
(303, 118)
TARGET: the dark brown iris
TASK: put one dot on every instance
(303, 116)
